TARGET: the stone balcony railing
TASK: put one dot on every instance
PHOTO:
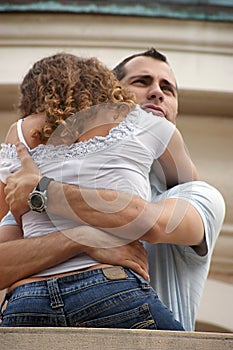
(110, 339)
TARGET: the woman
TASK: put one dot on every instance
(91, 148)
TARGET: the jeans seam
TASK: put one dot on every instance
(54, 294)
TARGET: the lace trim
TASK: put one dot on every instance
(80, 149)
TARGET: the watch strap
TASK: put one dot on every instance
(43, 183)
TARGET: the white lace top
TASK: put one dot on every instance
(121, 161)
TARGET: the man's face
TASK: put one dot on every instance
(153, 83)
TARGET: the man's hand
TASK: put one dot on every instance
(109, 249)
(132, 256)
(21, 183)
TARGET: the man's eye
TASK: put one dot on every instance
(139, 82)
(167, 88)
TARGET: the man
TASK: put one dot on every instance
(188, 217)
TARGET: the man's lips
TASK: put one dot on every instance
(153, 109)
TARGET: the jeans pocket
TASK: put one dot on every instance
(137, 318)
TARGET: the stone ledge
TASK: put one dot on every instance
(111, 339)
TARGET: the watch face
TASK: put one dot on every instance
(37, 201)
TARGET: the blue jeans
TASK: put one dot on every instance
(112, 297)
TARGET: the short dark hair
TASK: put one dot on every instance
(119, 70)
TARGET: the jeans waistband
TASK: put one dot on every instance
(110, 273)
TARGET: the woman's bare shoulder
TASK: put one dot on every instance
(12, 136)
(30, 123)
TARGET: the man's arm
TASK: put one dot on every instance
(23, 257)
(33, 255)
(122, 214)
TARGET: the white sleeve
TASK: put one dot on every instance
(210, 205)
(154, 132)
(8, 220)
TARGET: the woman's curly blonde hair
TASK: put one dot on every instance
(64, 84)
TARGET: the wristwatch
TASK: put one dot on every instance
(37, 199)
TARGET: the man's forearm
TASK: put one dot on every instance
(124, 215)
(33, 255)
(25, 257)
(121, 214)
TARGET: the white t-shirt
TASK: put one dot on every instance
(178, 274)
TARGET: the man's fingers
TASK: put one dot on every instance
(137, 259)
(136, 267)
(22, 151)
(142, 262)
(27, 163)
(26, 159)
(140, 252)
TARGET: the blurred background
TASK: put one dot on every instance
(196, 36)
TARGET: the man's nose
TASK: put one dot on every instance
(155, 93)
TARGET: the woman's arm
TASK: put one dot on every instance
(175, 165)
(10, 138)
